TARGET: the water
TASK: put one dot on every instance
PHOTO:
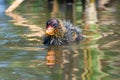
(24, 57)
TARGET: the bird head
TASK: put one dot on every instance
(54, 27)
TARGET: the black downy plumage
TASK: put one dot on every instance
(63, 33)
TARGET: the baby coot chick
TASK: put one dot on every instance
(61, 32)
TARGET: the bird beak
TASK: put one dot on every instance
(49, 30)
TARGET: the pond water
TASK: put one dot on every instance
(24, 57)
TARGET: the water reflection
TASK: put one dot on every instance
(2, 6)
(20, 20)
(73, 62)
(62, 10)
(23, 57)
(53, 57)
(64, 58)
(36, 31)
(92, 54)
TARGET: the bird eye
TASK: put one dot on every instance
(55, 25)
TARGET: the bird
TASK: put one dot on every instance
(61, 32)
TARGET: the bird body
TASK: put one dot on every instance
(61, 32)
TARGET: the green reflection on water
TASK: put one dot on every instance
(23, 56)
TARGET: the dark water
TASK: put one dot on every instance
(24, 57)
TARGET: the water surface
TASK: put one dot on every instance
(24, 57)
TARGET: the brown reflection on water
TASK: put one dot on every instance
(62, 10)
(70, 64)
(107, 16)
(68, 59)
(21, 21)
(53, 57)
(55, 9)
(64, 58)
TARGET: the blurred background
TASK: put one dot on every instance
(24, 57)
